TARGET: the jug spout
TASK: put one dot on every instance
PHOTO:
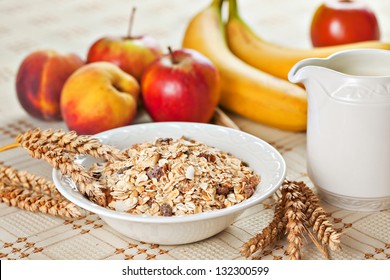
(317, 75)
(306, 69)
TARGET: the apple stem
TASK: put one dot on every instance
(131, 20)
(172, 55)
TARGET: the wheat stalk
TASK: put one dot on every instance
(270, 234)
(318, 221)
(59, 149)
(29, 200)
(14, 177)
(78, 173)
(71, 143)
(298, 211)
(59, 159)
(294, 209)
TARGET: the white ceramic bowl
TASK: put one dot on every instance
(262, 157)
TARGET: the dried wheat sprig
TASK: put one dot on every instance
(78, 173)
(312, 201)
(269, 235)
(322, 248)
(294, 213)
(59, 159)
(316, 218)
(20, 197)
(12, 176)
(71, 143)
(58, 148)
(326, 234)
(302, 191)
(301, 210)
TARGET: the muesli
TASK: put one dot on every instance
(170, 177)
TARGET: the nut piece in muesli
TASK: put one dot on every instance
(170, 177)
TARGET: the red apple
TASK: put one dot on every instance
(97, 97)
(40, 79)
(343, 22)
(131, 53)
(183, 85)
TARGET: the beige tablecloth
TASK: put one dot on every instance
(72, 26)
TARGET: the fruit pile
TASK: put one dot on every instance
(224, 64)
(182, 85)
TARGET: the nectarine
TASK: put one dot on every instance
(99, 96)
(40, 79)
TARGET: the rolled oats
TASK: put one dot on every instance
(170, 177)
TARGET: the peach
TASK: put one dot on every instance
(40, 79)
(99, 96)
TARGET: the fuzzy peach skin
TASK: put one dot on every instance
(99, 96)
(40, 79)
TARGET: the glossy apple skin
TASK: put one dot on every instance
(343, 22)
(132, 55)
(97, 97)
(185, 90)
(40, 79)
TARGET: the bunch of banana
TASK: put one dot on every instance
(246, 90)
(271, 58)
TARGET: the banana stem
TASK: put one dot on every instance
(217, 4)
(9, 147)
(233, 9)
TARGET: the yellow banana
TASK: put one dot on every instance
(271, 58)
(246, 90)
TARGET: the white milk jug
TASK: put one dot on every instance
(348, 130)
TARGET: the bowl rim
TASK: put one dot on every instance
(74, 196)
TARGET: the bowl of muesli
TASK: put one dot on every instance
(179, 182)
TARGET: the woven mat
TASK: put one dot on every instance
(71, 26)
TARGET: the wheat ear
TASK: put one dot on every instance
(59, 159)
(20, 197)
(72, 143)
(269, 235)
(294, 213)
(14, 177)
(317, 219)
